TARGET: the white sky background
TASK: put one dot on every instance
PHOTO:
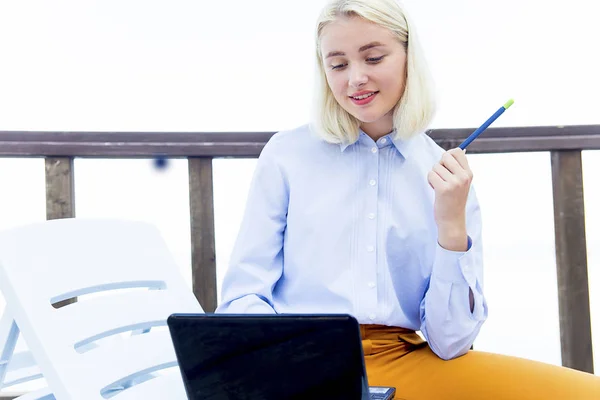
(166, 65)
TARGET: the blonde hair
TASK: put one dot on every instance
(416, 107)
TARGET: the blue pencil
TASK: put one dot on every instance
(487, 123)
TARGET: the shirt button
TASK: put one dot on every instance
(372, 182)
(372, 317)
(370, 249)
(374, 150)
(371, 216)
(371, 285)
(383, 140)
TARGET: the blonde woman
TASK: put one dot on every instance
(362, 213)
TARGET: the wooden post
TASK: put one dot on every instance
(571, 261)
(202, 221)
(60, 191)
(60, 194)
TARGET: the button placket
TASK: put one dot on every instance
(370, 246)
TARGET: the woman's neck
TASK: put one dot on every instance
(377, 129)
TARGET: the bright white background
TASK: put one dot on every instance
(183, 65)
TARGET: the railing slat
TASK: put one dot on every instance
(202, 221)
(60, 193)
(571, 261)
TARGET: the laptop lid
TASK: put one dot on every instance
(225, 356)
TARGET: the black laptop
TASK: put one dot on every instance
(264, 357)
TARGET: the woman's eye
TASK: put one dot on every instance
(375, 60)
(371, 60)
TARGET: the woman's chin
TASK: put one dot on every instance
(368, 118)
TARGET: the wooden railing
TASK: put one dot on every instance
(565, 144)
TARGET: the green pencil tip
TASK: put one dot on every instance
(509, 103)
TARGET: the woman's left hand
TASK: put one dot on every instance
(451, 180)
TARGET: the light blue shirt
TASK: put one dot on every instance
(332, 228)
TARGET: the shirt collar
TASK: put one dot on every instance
(402, 145)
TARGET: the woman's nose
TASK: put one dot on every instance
(357, 78)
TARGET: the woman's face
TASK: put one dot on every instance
(365, 67)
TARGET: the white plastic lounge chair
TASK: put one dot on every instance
(111, 343)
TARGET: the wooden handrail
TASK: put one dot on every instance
(249, 144)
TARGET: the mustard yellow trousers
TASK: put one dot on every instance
(399, 358)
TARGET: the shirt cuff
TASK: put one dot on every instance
(250, 304)
(455, 266)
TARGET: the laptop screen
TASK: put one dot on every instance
(223, 356)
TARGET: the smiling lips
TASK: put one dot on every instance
(363, 97)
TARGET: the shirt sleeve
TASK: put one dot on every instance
(256, 262)
(446, 318)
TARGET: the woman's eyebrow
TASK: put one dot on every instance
(361, 49)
